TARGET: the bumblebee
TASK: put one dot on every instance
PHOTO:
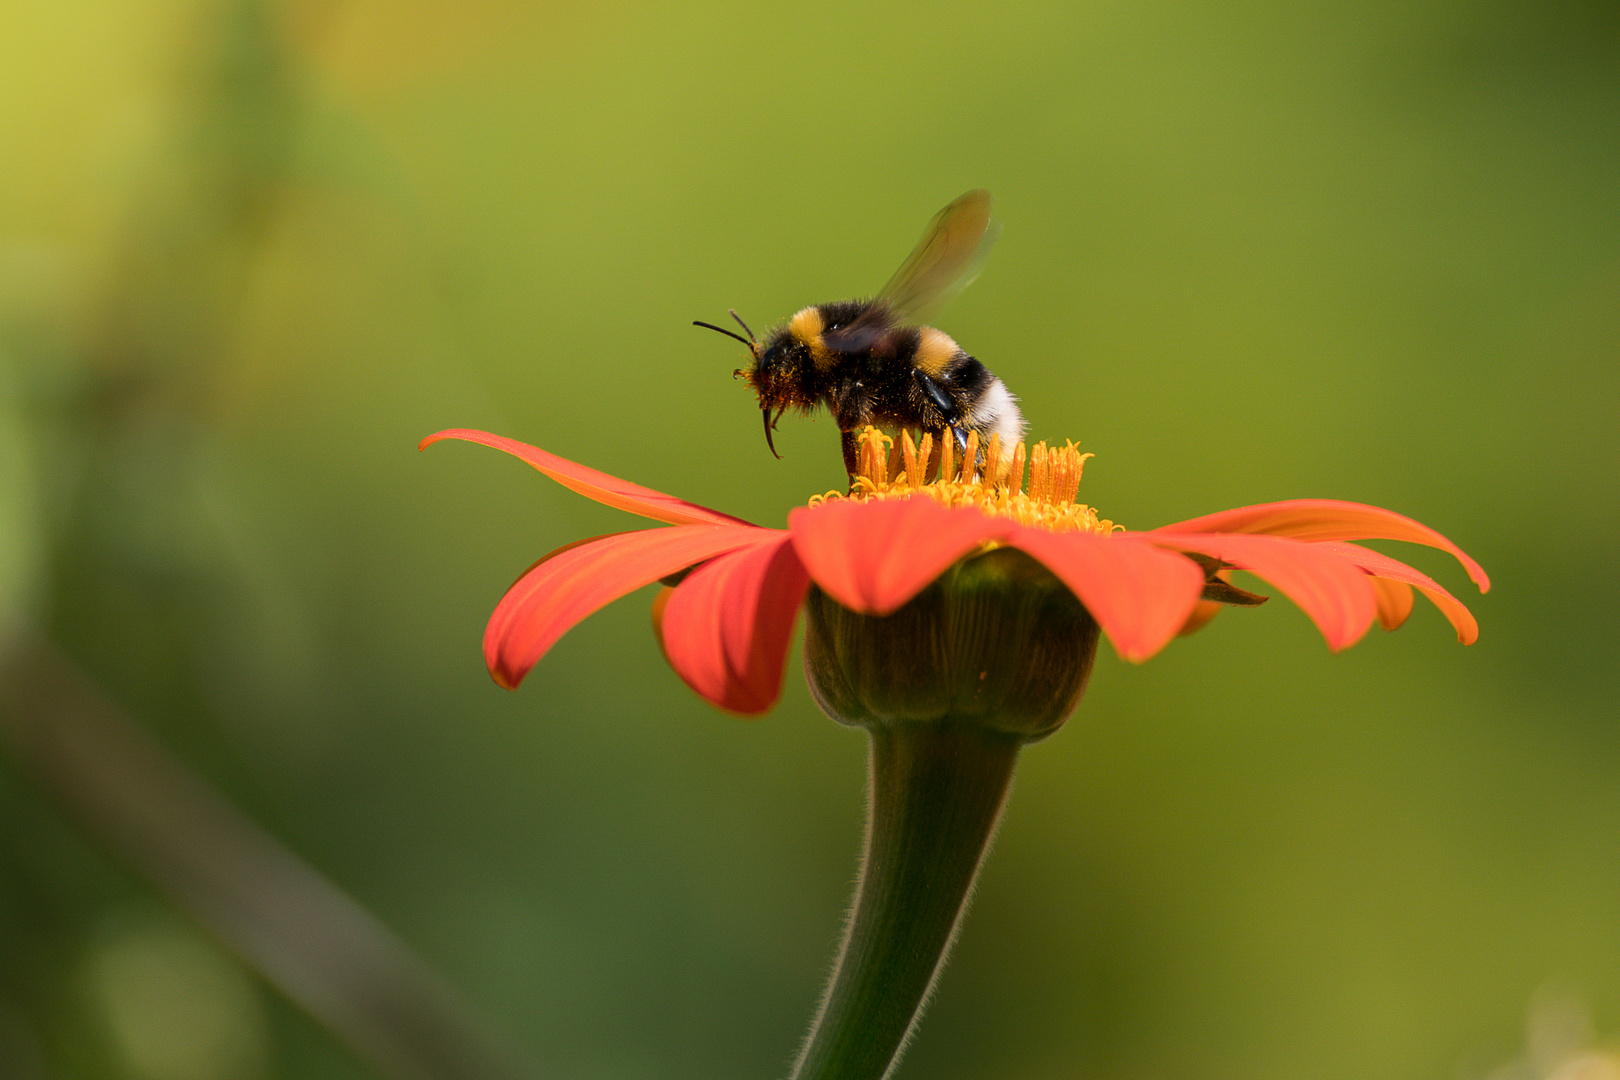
(874, 362)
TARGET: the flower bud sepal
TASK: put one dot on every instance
(996, 641)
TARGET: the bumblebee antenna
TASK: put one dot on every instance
(742, 324)
(752, 343)
(728, 333)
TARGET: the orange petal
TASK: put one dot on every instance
(568, 585)
(1329, 588)
(725, 629)
(1395, 602)
(872, 557)
(660, 602)
(1203, 612)
(1328, 519)
(1140, 595)
(593, 484)
(1383, 567)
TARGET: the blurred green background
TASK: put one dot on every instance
(251, 252)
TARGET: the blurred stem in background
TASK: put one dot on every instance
(102, 593)
(296, 928)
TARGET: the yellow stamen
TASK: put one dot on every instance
(916, 458)
(891, 470)
(1040, 478)
(873, 454)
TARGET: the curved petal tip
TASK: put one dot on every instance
(594, 484)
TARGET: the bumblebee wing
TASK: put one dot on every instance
(946, 260)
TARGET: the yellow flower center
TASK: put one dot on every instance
(907, 469)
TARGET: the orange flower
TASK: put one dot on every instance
(725, 627)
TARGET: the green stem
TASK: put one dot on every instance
(937, 789)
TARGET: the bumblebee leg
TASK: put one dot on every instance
(942, 401)
(937, 395)
(851, 457)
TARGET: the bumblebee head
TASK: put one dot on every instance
(779, 377)
(777, 373)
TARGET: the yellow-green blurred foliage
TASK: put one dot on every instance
(251, 252)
